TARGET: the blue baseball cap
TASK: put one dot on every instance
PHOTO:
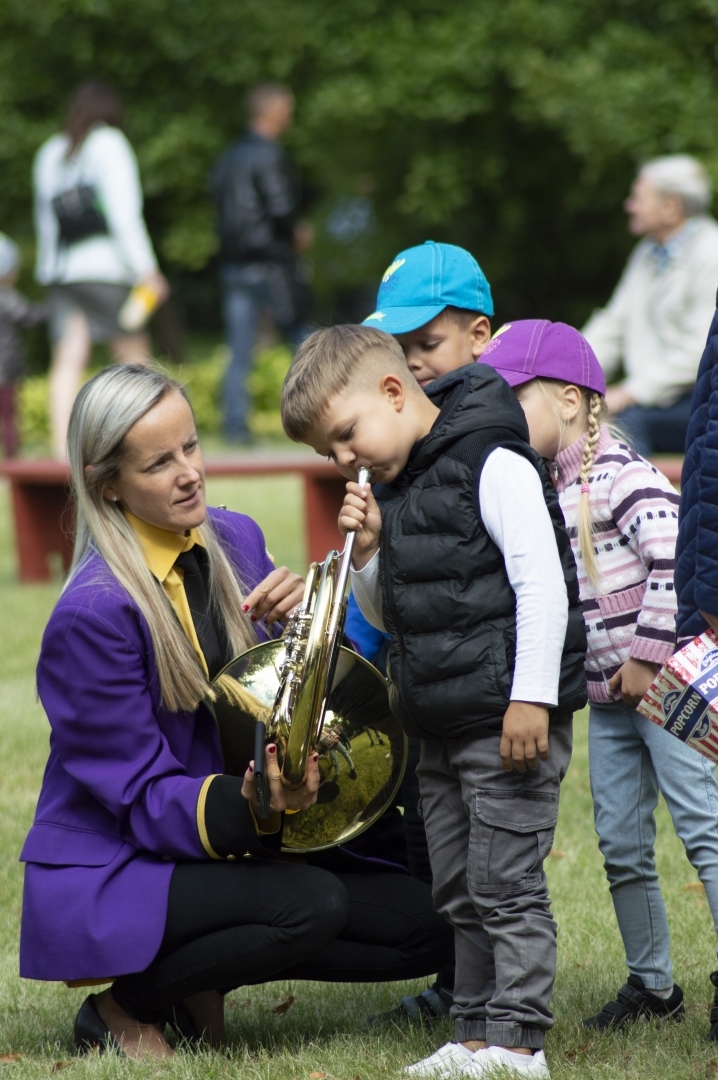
(424, 280)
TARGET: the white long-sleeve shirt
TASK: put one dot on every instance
(658, 318)
(516, 518)
(106, 160)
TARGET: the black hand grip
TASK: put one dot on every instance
(260, 783)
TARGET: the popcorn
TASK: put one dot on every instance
(683, 698)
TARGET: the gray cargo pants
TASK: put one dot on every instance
(489, 832)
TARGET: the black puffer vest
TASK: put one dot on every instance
(447, 601)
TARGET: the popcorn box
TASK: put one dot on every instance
(683, 698)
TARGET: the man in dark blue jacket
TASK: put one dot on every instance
(257, 197)
(696, 574)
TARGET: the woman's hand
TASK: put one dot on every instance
(360, 514)
(633, 679)
(274, 598)
(280, 796)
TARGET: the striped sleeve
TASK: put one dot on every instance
(645, 509)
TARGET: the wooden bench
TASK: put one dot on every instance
(43, 516)
(43, 522)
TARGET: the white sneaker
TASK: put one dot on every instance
(495, 1059)
(451, 1060)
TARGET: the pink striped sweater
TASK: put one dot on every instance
(635, 522)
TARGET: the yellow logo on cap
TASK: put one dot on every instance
(378, 315)
(393, 269)
(501, 330)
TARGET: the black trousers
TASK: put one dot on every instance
(238, 923)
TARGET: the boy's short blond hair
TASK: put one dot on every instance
(329, 361)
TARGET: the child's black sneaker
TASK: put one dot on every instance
(432, 1004)
(713, 1033)
(634, 1002)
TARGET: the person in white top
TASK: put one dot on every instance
(656, 322)
(92, 243)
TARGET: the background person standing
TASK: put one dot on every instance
(17, 313)
(656, 321)
(257, 197)
(92, 244)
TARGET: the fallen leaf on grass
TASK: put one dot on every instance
(712, 1068)
(573, 1054)
(60, 1065)
(317, 1076)
(285, 1007)
(556, 853)
(694, 886)
(8, 1059)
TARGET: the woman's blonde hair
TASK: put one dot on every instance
(594, 413)
(105, 410)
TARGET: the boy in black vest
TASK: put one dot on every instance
(467, 566)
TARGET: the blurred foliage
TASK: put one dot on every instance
(203, 378)
(32, 411)
(512, 128)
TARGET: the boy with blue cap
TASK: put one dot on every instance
(435, 300)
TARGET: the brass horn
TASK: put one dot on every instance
(311, 692)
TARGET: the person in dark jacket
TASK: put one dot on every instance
(696, 562)
(696, 574)
(466, 564)
(257, 197)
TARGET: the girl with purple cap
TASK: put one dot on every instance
(622, 517)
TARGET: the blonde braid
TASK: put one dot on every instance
(595, 408)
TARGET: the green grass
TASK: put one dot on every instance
(323, 1031)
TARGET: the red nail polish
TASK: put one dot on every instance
(253, 618)
(315, 757)
(251, 767)
(272, 749)
(245, 607)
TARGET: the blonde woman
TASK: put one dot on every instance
(135, 862)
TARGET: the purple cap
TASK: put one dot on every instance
(539, 349)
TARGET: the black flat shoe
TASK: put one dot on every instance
(91, 1032)
(180, 1022)
(633, 1002)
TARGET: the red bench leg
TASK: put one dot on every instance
(323, 497)
(43, 525)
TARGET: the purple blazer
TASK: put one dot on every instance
(118, 805)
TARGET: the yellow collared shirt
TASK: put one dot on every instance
(160, 548)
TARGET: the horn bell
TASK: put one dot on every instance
(357, 706)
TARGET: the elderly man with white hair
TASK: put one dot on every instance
(656, 322)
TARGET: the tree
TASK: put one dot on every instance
(513, 129)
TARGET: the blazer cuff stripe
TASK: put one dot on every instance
(201, 823)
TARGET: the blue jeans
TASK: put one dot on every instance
(651, 430)
(631, 761)
(246, 287)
